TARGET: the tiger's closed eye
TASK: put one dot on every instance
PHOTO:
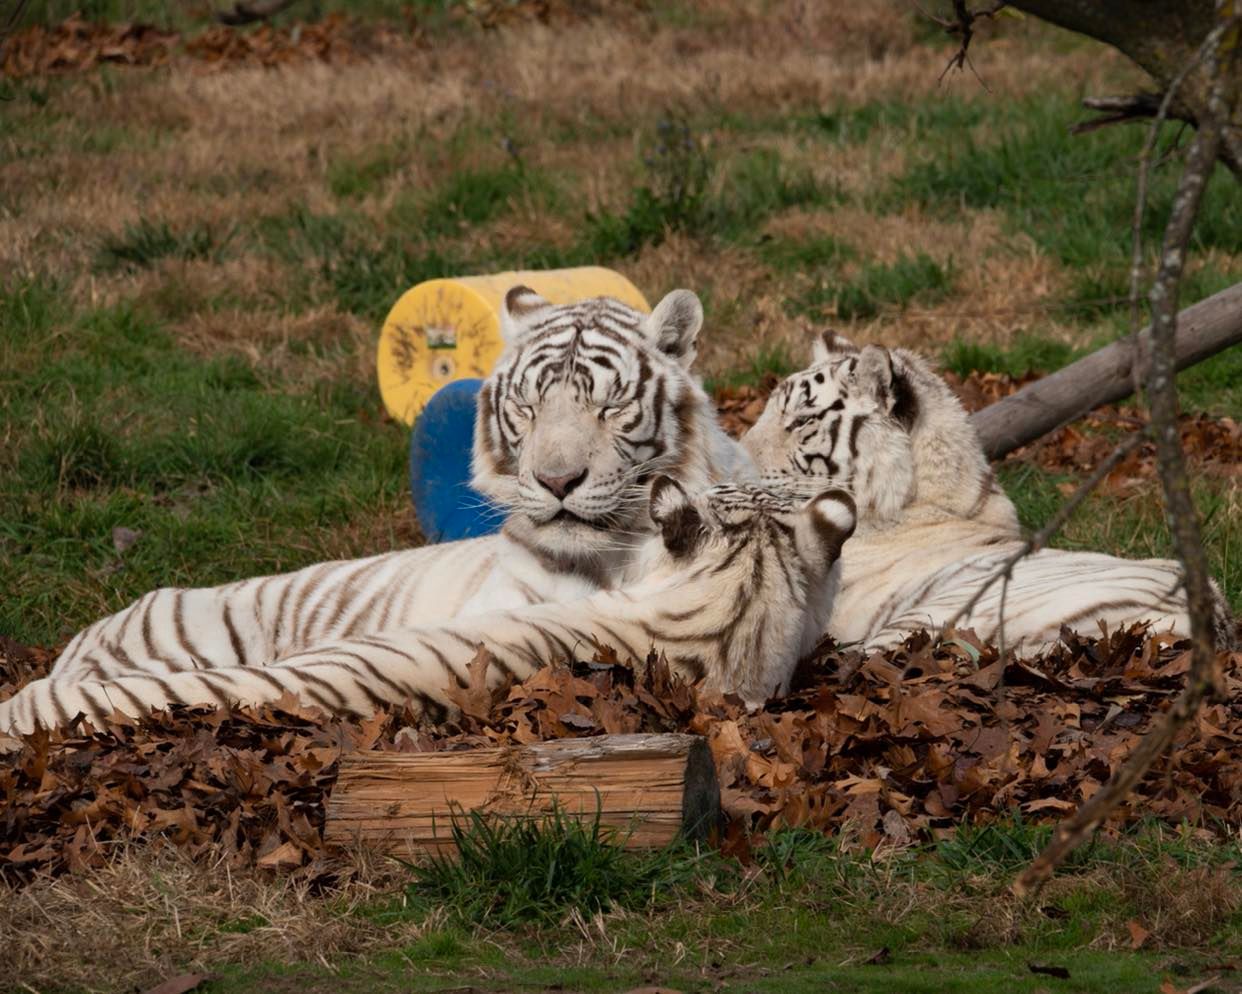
(611, 410)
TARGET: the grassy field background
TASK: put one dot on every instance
(196, 262)
(193, 267)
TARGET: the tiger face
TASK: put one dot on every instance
(733, 526)
(845, 421)
(588, 401)
(755, 574)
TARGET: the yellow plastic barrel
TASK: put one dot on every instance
(449, 329)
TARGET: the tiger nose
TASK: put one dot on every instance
(561, 486)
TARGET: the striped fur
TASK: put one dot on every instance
(725, 592)
(596, 394)
(933, 522)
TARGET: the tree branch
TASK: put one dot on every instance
(963, 26)
(1103, 377)
(1120, 110)
(1203, 677)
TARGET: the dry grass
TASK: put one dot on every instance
(152, 913)
(188, 146)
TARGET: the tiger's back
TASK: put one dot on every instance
(934, 524)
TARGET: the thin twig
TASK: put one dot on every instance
(1042, 537)
(1203, 678)
(1144, 172)
(962, 25)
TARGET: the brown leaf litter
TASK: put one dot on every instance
(76, 44)
(899, 746)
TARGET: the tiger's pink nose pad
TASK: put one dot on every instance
(561, 486)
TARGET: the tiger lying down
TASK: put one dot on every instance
(933, 524)
(726, 588)
(587, 403)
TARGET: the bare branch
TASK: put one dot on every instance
(1203, 678)
(1122, 110)
(250, 11)
(1103, 377)
(1140, 198)
(962, 26)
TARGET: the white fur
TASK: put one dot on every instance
(728, 608)
(535, 559)
(933, 523)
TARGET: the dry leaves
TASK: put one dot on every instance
(321, 41)
(75, 45)
(903, 745)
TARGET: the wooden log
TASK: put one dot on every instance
(1103, 377)
(650, 788)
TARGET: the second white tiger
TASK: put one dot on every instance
(933, 524)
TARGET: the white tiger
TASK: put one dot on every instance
(934, 525)
(724, 592)
(587, 402)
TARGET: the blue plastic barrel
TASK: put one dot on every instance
(441, 441)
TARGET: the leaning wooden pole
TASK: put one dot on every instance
(1104, 377)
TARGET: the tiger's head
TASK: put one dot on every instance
(587, 403)
(754, 573)
(882, 424)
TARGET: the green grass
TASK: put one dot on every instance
(763, 365)
(512, 872)
(355, 176)
(912, 120)
(1032, 167)
(678, 193)
(142, 245)
(1133, 526)
(1029, 354)
(224, 472)
(785, 255)
(875, 288)
(813, 914)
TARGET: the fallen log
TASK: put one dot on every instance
(650, 788)
(1104, 377)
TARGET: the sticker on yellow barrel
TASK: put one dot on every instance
(449, 329)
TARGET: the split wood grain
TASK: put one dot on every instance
(649, 788)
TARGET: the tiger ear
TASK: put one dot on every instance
(829, 345)
(674, 325)
(874, 373)
(521, 303)
(826, 521)
(678, 519)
